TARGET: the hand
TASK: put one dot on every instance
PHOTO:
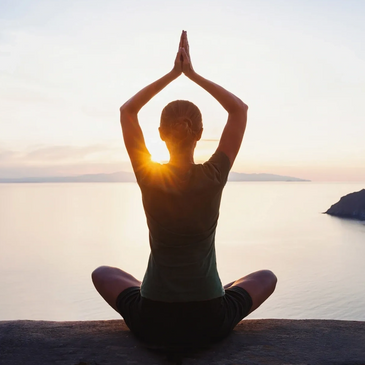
(187, 67)
(178, 60)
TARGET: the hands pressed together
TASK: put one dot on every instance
(231, 138)
(182, 60)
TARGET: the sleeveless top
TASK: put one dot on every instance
(182, 212)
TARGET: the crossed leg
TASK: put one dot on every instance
(111, 281)
(260, 285)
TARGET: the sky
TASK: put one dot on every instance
(67, 66)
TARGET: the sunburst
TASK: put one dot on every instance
(159, 152)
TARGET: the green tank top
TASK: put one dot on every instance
(182, 212)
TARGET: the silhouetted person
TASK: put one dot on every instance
(181, 300)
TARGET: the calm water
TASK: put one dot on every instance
(53, 235)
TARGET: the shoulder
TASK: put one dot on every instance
(219, 158)
(149, 172)
(218, 166)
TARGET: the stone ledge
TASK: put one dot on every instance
(259, 342)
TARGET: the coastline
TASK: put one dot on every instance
(263, 341)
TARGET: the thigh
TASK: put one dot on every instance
(111, 281)
(260, 285)
(236, 305)
(128, 305)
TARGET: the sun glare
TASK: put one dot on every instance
(159, 152)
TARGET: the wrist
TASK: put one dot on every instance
(191, 74)
(175, 73)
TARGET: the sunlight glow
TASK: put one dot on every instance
(159, 152)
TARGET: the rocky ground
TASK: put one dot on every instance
(268, 341)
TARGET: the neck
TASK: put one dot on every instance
(182, 158)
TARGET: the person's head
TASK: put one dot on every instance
(181, 124)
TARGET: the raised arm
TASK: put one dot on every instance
(132, 132)
(230, 141)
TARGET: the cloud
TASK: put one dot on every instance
(7, 155)
(62, 160)
(63, 153)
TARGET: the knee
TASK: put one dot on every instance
(270, 278)
(99, 275)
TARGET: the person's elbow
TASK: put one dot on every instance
(123, 109)
(123, 114)
(127, 109)
(239, 107)
(242, 106)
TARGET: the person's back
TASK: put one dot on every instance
(182, 211)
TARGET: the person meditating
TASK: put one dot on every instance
(181, 300)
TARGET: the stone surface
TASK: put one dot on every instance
(269, 341)
(350, 206)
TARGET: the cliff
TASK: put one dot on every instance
(350, 206)
(268, 341)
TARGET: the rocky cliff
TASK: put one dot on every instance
(350, 206)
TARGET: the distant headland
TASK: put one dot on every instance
(123, 176)
(350, 206)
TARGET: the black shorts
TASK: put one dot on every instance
(183, 323)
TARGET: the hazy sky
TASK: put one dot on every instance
(66, 67)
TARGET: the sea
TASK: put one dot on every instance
(53, 235)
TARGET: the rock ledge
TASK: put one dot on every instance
(267, 341)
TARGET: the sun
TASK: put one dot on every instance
(159, 152)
